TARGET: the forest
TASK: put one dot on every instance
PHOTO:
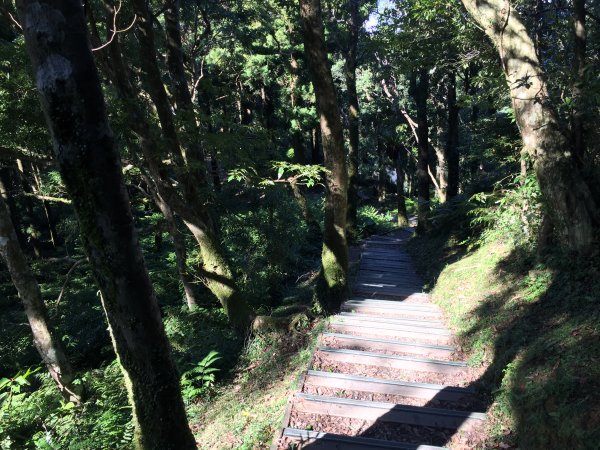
(186, 187)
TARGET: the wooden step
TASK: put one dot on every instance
(378, 302)
(390, 271)
(389, 324)
(392, 361)
(387, 293)
(370, 344)
(390, 312)
(397, 333)
(385, 287)
(386, 412)
(329, 441)
(366, 318)
(425, 391)
(383, 276)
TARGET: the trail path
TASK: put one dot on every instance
(385, 374)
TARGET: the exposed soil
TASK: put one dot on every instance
(332, 342)
(467, 403)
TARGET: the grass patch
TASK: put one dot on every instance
(535, 326)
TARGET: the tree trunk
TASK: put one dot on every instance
(574, 211)
(30, 218)
(50, 348)
(316, 153)
(50, 220)
(400, 197)
(295, 126)
(441, 172)
(88, 161)
(354, 25)
(452, 155)
(180, 250)
(578, 117)
(5, 188)
(382, 173)
(420, 94)
(332, 286)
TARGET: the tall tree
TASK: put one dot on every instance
(573, 208)
(420, 88)
(48, 346)
(88, 161)
(332, 286)
(580, 40)
(451, 148)
(354, 25)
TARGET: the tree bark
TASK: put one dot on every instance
(50, 348)
(420, 94)
(332, 286)
(452, 155)
(382, 173)
(400, 196)
(354, 24)
(574, 211)
(578, 117)
(88, 161)
(295, 126)
(180, 250)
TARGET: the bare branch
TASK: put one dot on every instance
(114, 28)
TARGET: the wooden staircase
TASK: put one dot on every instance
(385, 374)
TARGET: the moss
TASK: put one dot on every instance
(533, 325)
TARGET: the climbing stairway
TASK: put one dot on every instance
(385, 374)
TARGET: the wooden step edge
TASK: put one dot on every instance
(381, 303)
(391, 343)
(363, 323)
(392, 305)
(378, 332)
(382, 386)
(363, 354)
(391, 406)
(415, 294)
(387, 412)
(392, 312)
(326, 441)
(372, 318)
(384, 294)
(377, 284)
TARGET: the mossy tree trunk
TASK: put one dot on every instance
(332, 286)
(48, 346)
(86, 155)
(574, 210)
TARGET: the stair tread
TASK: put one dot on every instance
(448, 348)
(392, 357)
(351, 442)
